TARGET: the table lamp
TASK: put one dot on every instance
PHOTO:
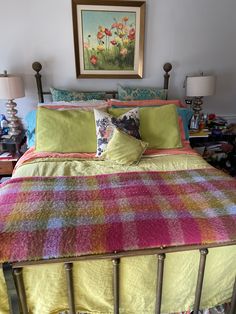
(199, 87)
(11, 87)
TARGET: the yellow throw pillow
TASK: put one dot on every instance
(159, 126)
(124, 149)
(66, 131)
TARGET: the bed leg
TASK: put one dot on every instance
(13, 299)
(201, 270)
(233, 300)
(70, 287)
(160, 273)
(116, 284)
(21, 289)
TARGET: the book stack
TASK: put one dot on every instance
(6, 156)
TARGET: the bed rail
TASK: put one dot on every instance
(37, 67)
(13, 274)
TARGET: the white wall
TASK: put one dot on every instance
(193, 35)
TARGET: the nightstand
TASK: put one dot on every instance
(10, 152)
(210, 147)
(7, 165)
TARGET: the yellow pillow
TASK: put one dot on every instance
(65, 131)
(124, 149)
(159, 126)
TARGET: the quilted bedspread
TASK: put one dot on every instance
(53, 217)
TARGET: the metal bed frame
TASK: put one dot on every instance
(13, 272)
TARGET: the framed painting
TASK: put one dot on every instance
(108, 38)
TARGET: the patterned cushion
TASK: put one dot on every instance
(106, 124)
(65, 95)
(137, 93)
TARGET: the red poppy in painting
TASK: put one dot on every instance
(131, 35)
(93, 59)
(120, 25)
(108, 32)
(100, 35)
(114, 25)
(113, 42)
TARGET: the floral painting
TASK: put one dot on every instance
(108, 39)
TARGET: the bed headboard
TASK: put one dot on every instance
(37, 67)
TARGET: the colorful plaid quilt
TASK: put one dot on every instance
(53, 217)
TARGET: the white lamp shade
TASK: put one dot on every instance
(198, 86)
(11, 87)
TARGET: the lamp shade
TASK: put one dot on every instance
(11, 87)
(198, 86)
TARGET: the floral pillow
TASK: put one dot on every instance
(105, 125)
(137, 93)
(66, 95)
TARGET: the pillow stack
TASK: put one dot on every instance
(116, 130)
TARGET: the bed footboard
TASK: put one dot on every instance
(13, 274)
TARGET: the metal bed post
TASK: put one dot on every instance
(37, 67)
(13, 299)
(116, 284)
(201, 270)
(70, 287)
(167, 67)
(233, 300)
(18, 273)
(160, 273)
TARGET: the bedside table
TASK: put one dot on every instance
(209, 146)
(7, 165)
(10, 152)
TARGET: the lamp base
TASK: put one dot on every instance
(13, 125)
(197, 108)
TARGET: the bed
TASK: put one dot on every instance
(82, 235)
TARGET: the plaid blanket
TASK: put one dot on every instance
(42, 218)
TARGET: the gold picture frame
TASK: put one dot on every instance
(108, 38)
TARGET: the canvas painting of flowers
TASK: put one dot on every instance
(109, 40)
(108, 45)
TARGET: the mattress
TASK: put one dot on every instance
(45, 284)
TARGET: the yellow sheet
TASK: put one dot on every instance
(45, 285)
(72, 167)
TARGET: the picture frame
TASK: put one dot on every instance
(108, 38)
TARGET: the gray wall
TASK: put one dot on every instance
(193, 35)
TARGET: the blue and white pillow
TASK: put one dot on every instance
(138, 93)
(66, 95)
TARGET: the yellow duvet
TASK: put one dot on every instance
(46, 286)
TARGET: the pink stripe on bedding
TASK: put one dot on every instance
(146, 102)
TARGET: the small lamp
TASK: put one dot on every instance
(11, 87)
(199, 87)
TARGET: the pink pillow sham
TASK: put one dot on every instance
(143, 103)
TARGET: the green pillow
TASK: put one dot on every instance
(65, 131)
(124, 148)
(159, 126)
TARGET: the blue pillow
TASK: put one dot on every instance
(186, 115)
(30, 127)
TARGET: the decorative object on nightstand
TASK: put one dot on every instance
(199, 87)
(11, 87)
(11, 150)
